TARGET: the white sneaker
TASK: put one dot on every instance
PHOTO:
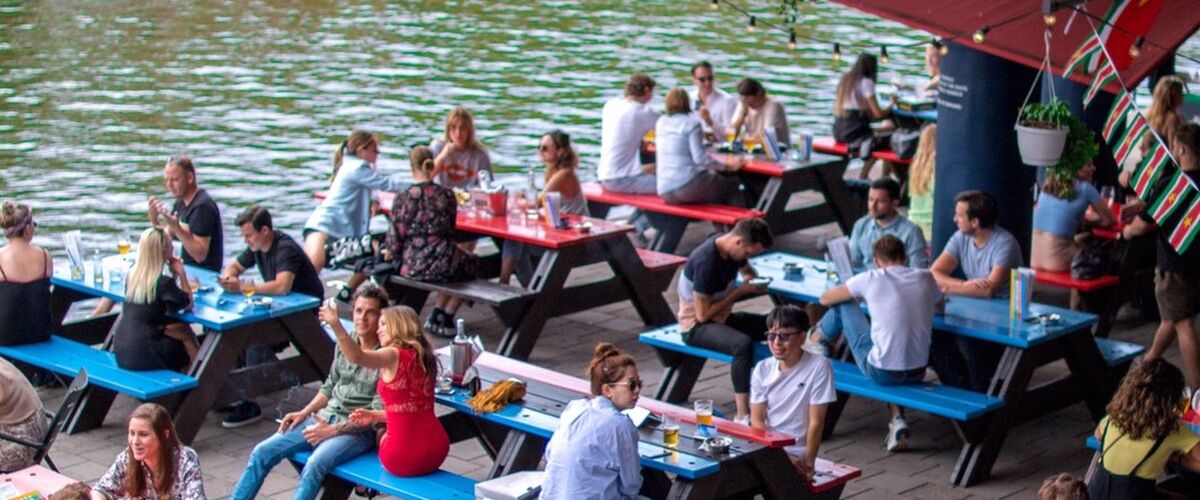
(897, 434)
(814, 343)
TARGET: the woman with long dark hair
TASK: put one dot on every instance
(154, 465)
(855, 107)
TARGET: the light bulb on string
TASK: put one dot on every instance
(792, 39)
(1049, 19)
(716, 4)
(980, 35)
(1135, 50)
(837, 52)
(883, 55)
(943, 47)
(750, 26)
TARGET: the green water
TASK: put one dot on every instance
(95, 95)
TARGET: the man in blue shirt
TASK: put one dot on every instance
(882, 218)
(986, 253)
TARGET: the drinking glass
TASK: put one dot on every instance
(670, 428)
(704, 418)
(729, 136)
(123, 244)
(248, 288)
(1108, 193)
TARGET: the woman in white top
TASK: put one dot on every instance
(855, 107)
(594, 452)
(686, 173)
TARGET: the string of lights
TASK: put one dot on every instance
(1135, 50)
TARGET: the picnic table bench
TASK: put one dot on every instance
(366, 470)
(756, 463)
(670, 220)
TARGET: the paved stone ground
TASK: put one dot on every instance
(1032, 452)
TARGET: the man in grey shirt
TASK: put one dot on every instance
(986, 253)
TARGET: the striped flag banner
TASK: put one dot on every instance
(1116, 117)
(1083, 54)
(1149, 170)
(1178, 189)
(1130, 140)
(1185, 232)
(1106, 74)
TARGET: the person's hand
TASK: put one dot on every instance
(648, 168)
(734, 163)
(362, 417)
(291, 420)
(749, 288)
(329, 313)
(175, 265)
(805, 470)
(230, 284)
(981, 283)
(319, 431)
(705, 115)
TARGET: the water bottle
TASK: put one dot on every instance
(460, 351)
(533, 190)
(97, 269)
(830, 271)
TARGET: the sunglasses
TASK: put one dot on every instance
(633, 384)
(772, 336)
(704, 79)
(543, 148)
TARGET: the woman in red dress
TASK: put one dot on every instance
(415, 443)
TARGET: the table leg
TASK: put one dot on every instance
(837, 196)
(92, 409)
(548, 279)
(218, 355)
(633, 276)
(520, 452)
(305, 332)
(1084, 361)
(1010, 382)
(779, 479)
(89, 331)
(680, 373)
(334, 488)
(701, 489)
(670, 231)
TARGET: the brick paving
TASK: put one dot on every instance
(1032, 451)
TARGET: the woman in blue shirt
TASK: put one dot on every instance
(1057, 216)
(686, 174)
(346, 210)
(594, 452)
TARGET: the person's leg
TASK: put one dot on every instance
(314, 248)
(722, 338)
(1164, 336)
(638, 184)
(103, 307)
(184, 334)
(947, 361)
(1189, 349)
(266, 455)
(981, 358)
(754, 327)
(329, 454)
(707, 187)
(1171, 295)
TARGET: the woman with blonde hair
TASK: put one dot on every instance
(415, 442)
(145, 337)
(25, 271)
(920, 180)
(422, 238)
(459, 156)
(1142, 431)
(154, 464)
(561, 160)
(1163, 115)
(346, 210)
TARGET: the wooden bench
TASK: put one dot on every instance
(366, 470)
(669, 219)
(1097, 295)
(67, 357)
(828, 145)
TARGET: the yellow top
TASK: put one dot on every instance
(1121, 454)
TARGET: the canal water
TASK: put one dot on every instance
(94, 96)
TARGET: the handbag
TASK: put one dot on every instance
(1093, 260)
(904, 142)
(344, 250)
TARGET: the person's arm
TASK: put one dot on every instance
(739, 119)
(630, 466)
(563, 182)
(177, 294)
(370, 178)
(1104, 213)
(229, 275)
(812, 441)
(319, 400)
(943, 269)
(376, 360)
(918, 253)
(112, 483)
(758, 416)
(707, 309)
(986, 287)
(152, 210)
(196, 236)
(281, 285)
(440, 161)
(1191, 460)
(1137, 227)
(191, 480)
(836, 295)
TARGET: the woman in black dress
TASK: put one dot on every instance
(145, 337)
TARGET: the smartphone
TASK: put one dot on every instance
(761, 281)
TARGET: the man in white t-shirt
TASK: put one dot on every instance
(623, 124)
(893, 347)
(711, 105)
(759, 113)
(790, 391)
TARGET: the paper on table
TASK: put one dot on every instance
(839, 251)
(71, 244)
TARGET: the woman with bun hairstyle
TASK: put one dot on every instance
(25, 272)
(346, 210)
(594, 452)
(422, 238)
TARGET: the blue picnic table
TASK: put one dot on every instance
(230, 327)
(1027, 346)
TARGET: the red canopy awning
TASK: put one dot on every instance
(1022, 40)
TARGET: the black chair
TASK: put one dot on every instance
(58, 420)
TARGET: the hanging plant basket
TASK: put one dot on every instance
(1041, 147)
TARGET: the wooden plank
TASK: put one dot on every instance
(721, 214)
(366, 470)
(65, 356)
(1063, 279)
(1116, 352)
(484, 291)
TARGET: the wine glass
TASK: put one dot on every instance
(248, 289)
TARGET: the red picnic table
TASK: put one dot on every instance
(772, 183)
(637, 278)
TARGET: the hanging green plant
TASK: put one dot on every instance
(1079, 151)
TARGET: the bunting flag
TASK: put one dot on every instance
(1123, 23)
(1107, 74)
(1116, 117)
(1185, 232)
(1177, 190)
(1130, 139)
(1083, 55)
(1149, 169)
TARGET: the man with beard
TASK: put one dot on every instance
(882, 218)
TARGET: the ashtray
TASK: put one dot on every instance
(260, 302)
(793, 271)
(584, 227)
(717, 445)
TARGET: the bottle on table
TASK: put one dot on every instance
(97, 268)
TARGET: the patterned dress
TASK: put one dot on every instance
(422, 235)
(415, 443)
(189, 483)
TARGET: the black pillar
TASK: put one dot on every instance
(978, 101)
(1094, 117)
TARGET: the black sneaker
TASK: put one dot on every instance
(244, 414)
(433, 323)
(448, 329)
(344, 294)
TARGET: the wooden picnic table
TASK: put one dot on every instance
(771, 184)
(516, 437)
(35, 478)
(1027, 346)
(230, 328)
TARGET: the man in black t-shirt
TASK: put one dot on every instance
(284, 268)
(195, 220)
(280, 260)
(1176, 277)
